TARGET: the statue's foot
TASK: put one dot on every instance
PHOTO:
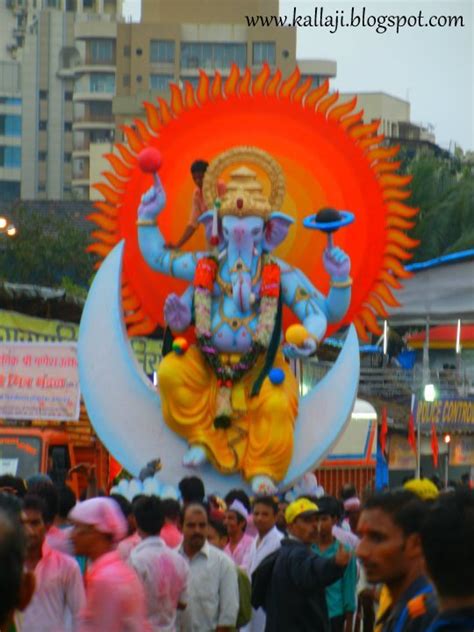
(195, 456)
(263, 485)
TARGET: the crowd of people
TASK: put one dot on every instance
(400, 561)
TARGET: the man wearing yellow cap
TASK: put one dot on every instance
(295, 600)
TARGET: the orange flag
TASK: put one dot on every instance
(411, 432)
(383, 430)
(434, 445)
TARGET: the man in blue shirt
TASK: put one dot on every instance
(447, 538)
(341, 595)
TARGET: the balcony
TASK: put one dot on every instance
(92, 96)
(89, 66)
(92, 123)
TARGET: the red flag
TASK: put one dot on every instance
(434, 445)
(383, 430)
(411, 432)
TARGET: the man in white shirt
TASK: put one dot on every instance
(59, 593)
(265, 510)
(213, 602)
(163, 572)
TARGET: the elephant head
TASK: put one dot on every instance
(242, 240)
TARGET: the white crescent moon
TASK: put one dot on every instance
(125, 408)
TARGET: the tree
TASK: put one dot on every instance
(48, 250)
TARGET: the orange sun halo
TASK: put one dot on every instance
(329, 158)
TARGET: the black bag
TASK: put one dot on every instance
(261, 580)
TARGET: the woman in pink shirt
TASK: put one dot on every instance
(115, 599)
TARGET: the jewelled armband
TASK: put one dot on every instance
(146, 222)
(341, 284)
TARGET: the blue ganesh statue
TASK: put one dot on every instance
(218, 394)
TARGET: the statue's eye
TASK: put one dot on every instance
(255, 231)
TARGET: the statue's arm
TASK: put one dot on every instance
(152, 243)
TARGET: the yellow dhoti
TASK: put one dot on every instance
(260, 437)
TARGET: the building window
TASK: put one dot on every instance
(88, 4)
(43, 94)
(139, 52)
(162, 51)
(102, 82)
(42, 155)
(100, 111)
(43, 125)
(194, 81)
(126, 81)
(10, 157)
(68, 95)
(210, 56)
(316, 80)
(67, 157)
(68, 126)
(10, 101)
(263, 52)
(102, 51)
(10, 125)
(160, 83)
(42, 187)
(126, 51)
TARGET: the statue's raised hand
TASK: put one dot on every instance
(177, 313)
(293, 352)
(336, 263)
(153, 201)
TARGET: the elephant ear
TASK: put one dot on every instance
(276, 230)
(206, 220)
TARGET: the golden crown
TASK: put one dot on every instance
(244, 192)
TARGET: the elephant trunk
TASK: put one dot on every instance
(242, 290)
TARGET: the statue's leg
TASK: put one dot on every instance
(271, 424)
(188, 393)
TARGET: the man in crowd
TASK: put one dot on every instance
(192, 490)
(170, 532)
(163, 572)
(295, 597)
(115, 600)
(238, 547)
(59, 593)
(16, 585)
(341, 595)
(268, 540)
(390, 552)
(448, 545)
(213, 597)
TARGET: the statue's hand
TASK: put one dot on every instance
(177, 313)
(336, 263)
(153, 201)
(293, 352)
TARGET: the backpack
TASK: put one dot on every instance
(245, 591)
(261, 580)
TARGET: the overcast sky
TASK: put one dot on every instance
(433, 68)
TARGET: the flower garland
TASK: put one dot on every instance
(228, 374)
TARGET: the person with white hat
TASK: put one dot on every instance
(115, 599)
(235, 520)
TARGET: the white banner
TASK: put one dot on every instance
(39, 381)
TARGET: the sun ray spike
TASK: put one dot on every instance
(202, 92)
(393, 180)
(325, 104)
(365, 143)
(390, 279)
(103, 221)
(386, 167)
(142, 329)
(109, 194)
(142, 130)
(400, 238)
(393, 264)
(385, 294)
(166, 115)
(394, 221)
(117, 183)
(132, 139)
(100, 249)
(398, 208)
(361, 131)
(289, 84)
(368, 317)
(107, 209)
(395, 194)
(176, 99)
(152, 117)
(313, 98)
(273, 84)
(117, 165)
(259, 83)
(348, 122)
(231, 81)
(189, 100)
(301, 91)
(105, 237)
(398, 252)
(216, 88)
(126, 154)
(360, 329)
(382, 153)
(338, 111)
(377, 306)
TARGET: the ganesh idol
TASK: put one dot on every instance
(232, 395)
